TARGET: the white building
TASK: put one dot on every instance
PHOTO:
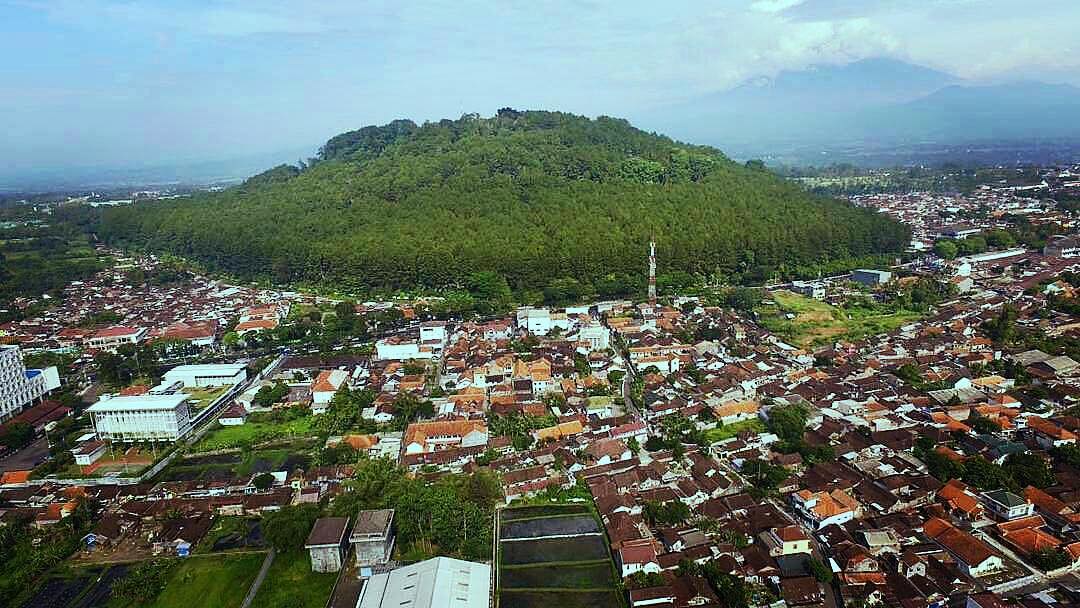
(810, 289)
(206, 375)
(598, 336)
(19, 387)
(440, 582)
(395, 348)
(433, 331)
(541, 321)
(113, 337)
(142, 418)
(871, 277)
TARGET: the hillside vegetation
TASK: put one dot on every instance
(536, 202)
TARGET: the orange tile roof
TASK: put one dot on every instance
(961, 544)
(15, 477)
(1030, 540)
(959, 497)
(418, 432)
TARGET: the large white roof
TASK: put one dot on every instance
(208, 369)
(139, 402)
(440, 582)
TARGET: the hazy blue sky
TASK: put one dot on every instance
(95, 82)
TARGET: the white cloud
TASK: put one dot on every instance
(774, 6)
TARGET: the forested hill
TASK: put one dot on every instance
(545, 200)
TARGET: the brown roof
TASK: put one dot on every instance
(327, 531)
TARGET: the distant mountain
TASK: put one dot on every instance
(1028, 110)
(873, 100)
(539, 202)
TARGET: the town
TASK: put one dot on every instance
(901, 436)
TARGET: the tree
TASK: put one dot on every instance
(946, 249)
(986, 475)
(287, 529)
(820, 571)
(263, 481)
(1029, 469)
(1050, 559)
(788, 422)
(18, 435)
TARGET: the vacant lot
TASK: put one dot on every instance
(815, 323)
(252, 432)
(584, 548)
(552, 525)
(730, 430)
(597, 575)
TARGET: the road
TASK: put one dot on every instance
(26, 458)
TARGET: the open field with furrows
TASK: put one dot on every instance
(807, 322)
(574, 569)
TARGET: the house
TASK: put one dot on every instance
(960, 499)
(372, 537)
(730, 413)
(439, 582)
(824, 508)
(88, 453)
(972, 555)
(662, 597)
(326, 543)
(802, 591)
(1006, 505)
(637, 556)
(426, 437)
(788, 540)
(325, 387)
(235, 415)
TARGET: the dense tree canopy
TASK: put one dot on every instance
(521, 201)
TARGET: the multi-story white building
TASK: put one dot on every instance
(111, 338)
(19, 387)
(142, 418)
(206, 375)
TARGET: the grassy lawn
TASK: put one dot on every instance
(730, 430)
(202, 397)
(253, 431)
(816, 323)
(221, 581)
(290, 583)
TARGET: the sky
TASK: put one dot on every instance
(125, 82)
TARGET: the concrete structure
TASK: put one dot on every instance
(89, 453)
(396, 348)
(596, 335)
(142, 418)
(221, 374)
(789, 540)
(372, 537)
(440, 582)
(325, 387)
(652, 275)
(871, 277)
(1006, 505)
(1062, 247)
(433, 331)
(541, 321)
(326, 544)
(810, 289)
(113, 337)
(19, 387)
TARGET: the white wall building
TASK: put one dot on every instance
(206, 375)
(19, 387)
(396, 349)
(598, 336)
(142, 418)
(433, 331)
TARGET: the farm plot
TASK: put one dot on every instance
(554, 550)
(562, 599)
(539, 527)
(596, 575)
(552, 556)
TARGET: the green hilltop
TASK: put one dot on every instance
(545, 200)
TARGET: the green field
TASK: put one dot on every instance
(290, 583)
(253, 431)
(816, 323)
(202, 397)
(221, 581)
(730, 430)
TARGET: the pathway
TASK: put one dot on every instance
(259, 579)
